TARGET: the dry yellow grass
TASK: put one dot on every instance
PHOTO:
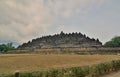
(35, 62)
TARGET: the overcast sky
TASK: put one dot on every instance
(23, 20)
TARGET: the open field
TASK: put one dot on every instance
(35, 62)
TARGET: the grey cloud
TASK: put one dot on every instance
(69, 8)
(21, 20)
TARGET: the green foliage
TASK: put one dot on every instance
(100, 69)
(77, 72)
(6, 47)
(6, 75)
(115, 42)
(115, 65)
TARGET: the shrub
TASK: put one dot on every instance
(77, 72)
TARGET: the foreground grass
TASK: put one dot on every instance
(35, 62)
(96, 70)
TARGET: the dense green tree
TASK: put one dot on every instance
(6, 47)
(114, 42)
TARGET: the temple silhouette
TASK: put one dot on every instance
(61, 40)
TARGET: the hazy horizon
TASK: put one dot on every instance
(23, 20)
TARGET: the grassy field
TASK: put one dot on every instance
(35, 62)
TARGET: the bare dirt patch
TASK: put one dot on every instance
(115, 74)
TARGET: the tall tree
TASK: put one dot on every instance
(114, 42)
(6, 47)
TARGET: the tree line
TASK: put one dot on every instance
(114, 42)
(6, 47)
